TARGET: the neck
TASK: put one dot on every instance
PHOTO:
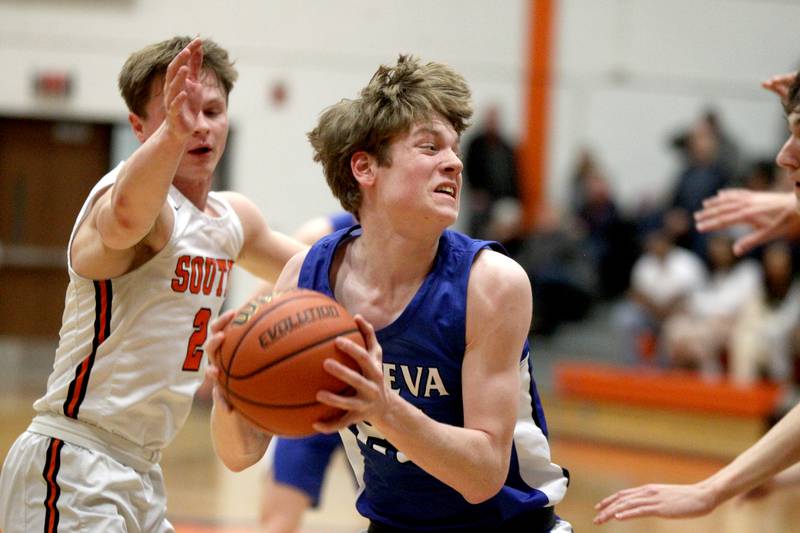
(388, 258)
(196, 190)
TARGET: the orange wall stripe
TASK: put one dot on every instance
(533, 148)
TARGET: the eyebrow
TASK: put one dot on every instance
(422, 130)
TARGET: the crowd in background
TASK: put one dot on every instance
(680, 298)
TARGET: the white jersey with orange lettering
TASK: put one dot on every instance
(130, 355)
(129, 361)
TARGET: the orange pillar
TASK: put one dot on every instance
(533, 147)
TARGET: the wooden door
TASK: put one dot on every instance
(47, 167)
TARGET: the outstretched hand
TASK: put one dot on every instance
(371, 397)
(182, 90)
(772, 215)
(666, 501)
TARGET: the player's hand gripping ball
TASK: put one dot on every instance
(270, 361)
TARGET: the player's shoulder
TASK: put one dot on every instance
(296, 261)
(499, 290)
(101, 189)
(250, 216)
(237, 200)
(489, 264)
(492, 262)
(290, 275)
(498, 275)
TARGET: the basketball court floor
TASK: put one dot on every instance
(205, 498)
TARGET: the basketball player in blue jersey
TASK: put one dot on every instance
(297, 467)
(149, 261)
(773, 461)
(445, 431)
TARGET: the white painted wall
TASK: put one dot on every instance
(322, 50)
(631, 73)
(628, 73)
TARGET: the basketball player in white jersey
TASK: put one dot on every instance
(773, 461)
(149, 262)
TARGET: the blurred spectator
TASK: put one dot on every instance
(704, 173)
(610, 238)
(730, 156)
(490, 169)
(761, 342)
(562, 273)
(661, 280)
(585, 165)
(761, 175)
(697, 336)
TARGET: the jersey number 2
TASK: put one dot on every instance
(194, 351)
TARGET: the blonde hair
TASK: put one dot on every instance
(395, 99)
(150, 63)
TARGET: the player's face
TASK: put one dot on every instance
(207, 144)
(789, 156)
(424, 179)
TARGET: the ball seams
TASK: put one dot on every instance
(283, 358)
(303, 294)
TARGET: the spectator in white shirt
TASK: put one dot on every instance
(697, 336)
(661, 280)
(762, 341)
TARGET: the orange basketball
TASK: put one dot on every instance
(271, 360)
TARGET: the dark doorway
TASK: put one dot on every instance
(47, 168)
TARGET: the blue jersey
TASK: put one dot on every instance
(422, 358)
(341, 220)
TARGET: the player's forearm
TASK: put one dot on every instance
(468, 460)
(776, 451)
(788, 478)
(140, 190)
(237, 444)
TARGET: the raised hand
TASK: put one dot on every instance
(371, 392)
(182, 90)
(667, 501)
(772, 215)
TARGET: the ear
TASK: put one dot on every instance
(137, 126)
(362, 166)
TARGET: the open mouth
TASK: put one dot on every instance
(446, 189)
(200, 150)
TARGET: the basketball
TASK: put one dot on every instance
(271, 360)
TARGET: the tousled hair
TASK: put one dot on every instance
(150, 63)
(395, 99)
